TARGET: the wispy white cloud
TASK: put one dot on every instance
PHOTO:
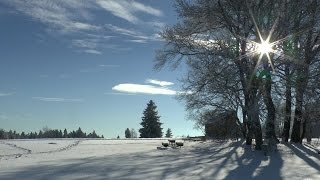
(84, 26)
(61, 17)
(125, 31)
(117, 9)
(127, 9)
(75, 19)
(99, 68)
(6, 94)
(92, 51)
(160, 83)
(90, 42)
(137, 36)
(85, 43)
(143, 89)
(137, 41)
(59, 14)
(56, 99)
(121, 94)
(156, 24)
(136, 6)
(109, 65)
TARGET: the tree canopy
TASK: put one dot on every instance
(220, 43)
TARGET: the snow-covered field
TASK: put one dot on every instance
(140, 159)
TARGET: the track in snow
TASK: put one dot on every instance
(29, 151)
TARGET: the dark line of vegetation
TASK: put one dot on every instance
(48, 133)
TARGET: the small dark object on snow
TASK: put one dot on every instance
(179, 144)
(165, 144)
(171, 142)
(52, 143)
(162, 148)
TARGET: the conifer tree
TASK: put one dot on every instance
(168, 133)
(127, 133)
(151, 126)
(65, 133)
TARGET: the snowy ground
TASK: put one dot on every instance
(140, 159)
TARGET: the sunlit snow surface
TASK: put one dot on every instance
(140, 159)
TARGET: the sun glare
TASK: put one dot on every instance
(264, 47)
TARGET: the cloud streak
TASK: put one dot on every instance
(61, 17)
(59, 14)
(75, 20)
(6, 94)
(120, 94)
(160, 83)
(137, 36)
(143, 89)
(109, 65)
(57, 99)
(92, 51)
(127, 10)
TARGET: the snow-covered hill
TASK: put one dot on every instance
(140, 159)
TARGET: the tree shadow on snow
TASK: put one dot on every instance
(305, 153)
(219, 161)
(173, 164)
(250, 165)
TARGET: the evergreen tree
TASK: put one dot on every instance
(79, 133)
(15, 135)
(40, 135)
(93, 135)
(56, 133)
(168, 133)
(65, 133)
(127, 133)
(72, 134)
(23, 135)
(31, 136)
(151, 126)
(10, 134)
(2, 134)
(60, 134)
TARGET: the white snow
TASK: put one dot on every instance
(140, 159)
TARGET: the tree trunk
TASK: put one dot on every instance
(304, 124)
(295, 136)
(270, 127)
(257, 129)
(303, 76)
(253, 114)
(247, 120)
(244, 124)
(249, 135)
(287, 121)
(301, 85)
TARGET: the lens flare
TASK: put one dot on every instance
(264, 47)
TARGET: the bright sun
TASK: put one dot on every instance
(264, 47)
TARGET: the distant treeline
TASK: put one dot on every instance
(48, 133)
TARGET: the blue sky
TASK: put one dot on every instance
(86, 63)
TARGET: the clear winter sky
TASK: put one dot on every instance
(86, 63)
